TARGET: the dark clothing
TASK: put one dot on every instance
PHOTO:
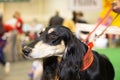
(2, 42)
(2, 45)
(74, 16)
(74, 19)
(56, 20)
(81, 21)
(2, 30)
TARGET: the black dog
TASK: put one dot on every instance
(78, 62)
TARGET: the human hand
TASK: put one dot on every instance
(116, 6)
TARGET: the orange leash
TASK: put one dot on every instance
(106, 28)
(108, 12)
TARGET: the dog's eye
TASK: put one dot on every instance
(52, 35)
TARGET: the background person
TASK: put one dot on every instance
(2, 45)
(56, 19)
(79, 17)
(14, 31)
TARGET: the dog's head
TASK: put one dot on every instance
(51, 42)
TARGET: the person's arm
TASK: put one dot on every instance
(116, 6)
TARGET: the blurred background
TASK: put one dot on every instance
(44, 9)
(22, 20)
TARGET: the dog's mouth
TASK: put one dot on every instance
(26, 52)
(27, 57)
(43, 50)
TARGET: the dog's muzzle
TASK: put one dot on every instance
(26, 50)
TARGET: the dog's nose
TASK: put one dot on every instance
(26, 50)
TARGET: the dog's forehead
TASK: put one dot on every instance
(51, 30)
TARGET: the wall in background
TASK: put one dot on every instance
(44, 9)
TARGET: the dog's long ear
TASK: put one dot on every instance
(72, 60)
(75, 50)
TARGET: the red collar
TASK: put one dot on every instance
(88, 58)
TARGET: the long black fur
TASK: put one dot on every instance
(50, 67)
(72, 59)
(70, 66)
